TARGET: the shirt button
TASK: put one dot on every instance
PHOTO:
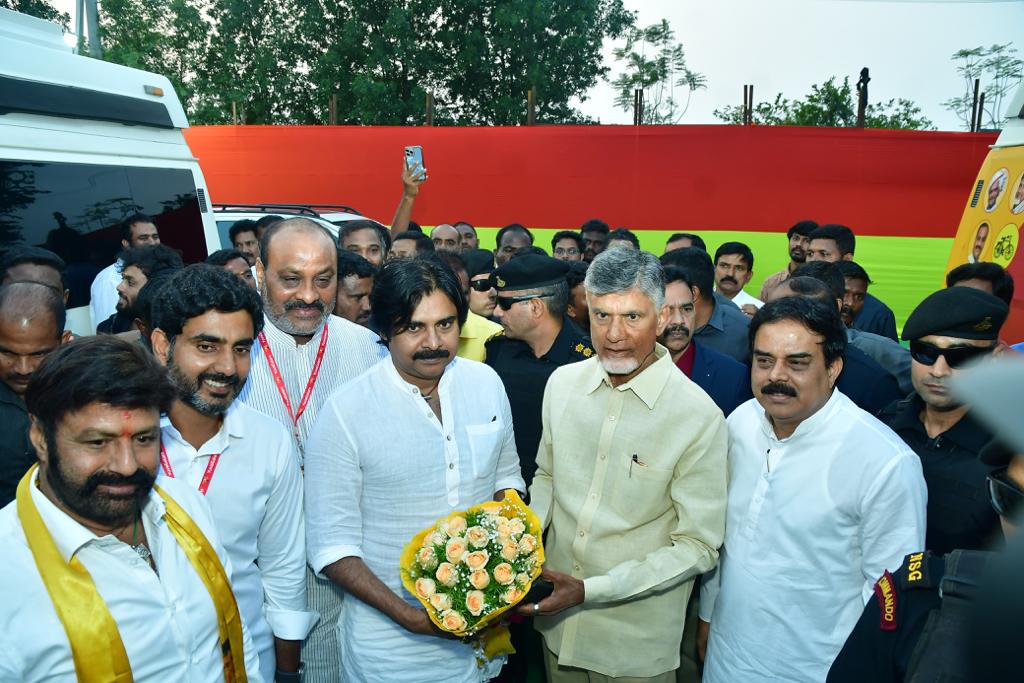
(582, 533)
(593, 496)
(451, 466)
(576, 567)
(449, 437)
(611, 417)
(602, 457)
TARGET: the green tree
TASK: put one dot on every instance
(655, 63)
(41, 9)
(832, 105)
(1000, 72)
(478, 57)
(165, 38)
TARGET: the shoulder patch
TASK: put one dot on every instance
(885, 593)
(583, 349)
(917, 572)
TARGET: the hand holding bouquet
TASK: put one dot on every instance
(471, 567)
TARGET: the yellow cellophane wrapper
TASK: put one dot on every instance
(496, 641)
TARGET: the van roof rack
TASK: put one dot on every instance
(336, 207)
(268, 208)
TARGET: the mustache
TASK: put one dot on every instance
(729, 278)
(431, 354)
(780, 388)
(677, 329)
(292, 305)
(141, 478)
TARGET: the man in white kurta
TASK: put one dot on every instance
(814, 518)
(380, 467)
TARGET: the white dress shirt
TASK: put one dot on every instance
(103, 293)
(371, 487)
(255, 497)
(167, 621)
(351, 350)
(813, 521)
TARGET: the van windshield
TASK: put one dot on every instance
(76, 210)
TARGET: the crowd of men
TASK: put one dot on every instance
(219, 484)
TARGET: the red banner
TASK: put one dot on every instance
(879, 182)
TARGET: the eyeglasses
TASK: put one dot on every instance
(570, 251)
(956, 357)
(506, 301)
(1004, 494)
(484, 285)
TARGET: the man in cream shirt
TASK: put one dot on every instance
(630, 485)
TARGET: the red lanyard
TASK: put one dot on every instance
(204, 483)
(279, 381)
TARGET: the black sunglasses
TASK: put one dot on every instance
(956, 357)
(481, 285)
(1004, 494)
(506, 301)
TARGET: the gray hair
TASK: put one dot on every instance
(616, 271)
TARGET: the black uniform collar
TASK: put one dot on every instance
(966, 433)
(8, 396)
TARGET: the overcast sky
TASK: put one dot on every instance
(788, 45)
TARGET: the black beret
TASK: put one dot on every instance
(529, 271)
(478, 262)
(960, 312)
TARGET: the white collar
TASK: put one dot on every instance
(68, 535)
(809, 425)
(233, 427)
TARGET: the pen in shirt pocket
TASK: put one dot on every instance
(635, 460)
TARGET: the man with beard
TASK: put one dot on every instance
(302, 355)
(243, 238)
(105, 576)
(724, 379)
(822, 500)
(946, 331)
(371, 487)
(204, 325)
(365, 238)
(511, 239)
(799, 241)
(470, 241)
(137, 266)
(856, 281)
(577, 310)
(31, 326)
(446, 238)
(630, 486)
(235, 262)
(594, 234)
(138, 230)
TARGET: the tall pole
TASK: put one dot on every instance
(92, 21)
(974, 106)
(862, 96)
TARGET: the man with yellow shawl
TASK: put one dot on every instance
(106, 577)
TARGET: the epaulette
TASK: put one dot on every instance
(920, 570)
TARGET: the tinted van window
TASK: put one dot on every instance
(75, 210)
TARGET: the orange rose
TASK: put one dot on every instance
(427, 558)
(504, 529)
(517, 526)
(510, 550)
(440, 601)
(522, 578)
(512, 596)
(436, 538)
(425, 587)
(527, 544)
(456, 526)
(453, 621)
(477, 559)
(475, 602)
(455, 549)
(477, 536)
(446, 574)
(480, 579)
(504, 574)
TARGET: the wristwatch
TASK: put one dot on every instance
(290, 676)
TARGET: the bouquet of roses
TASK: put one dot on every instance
(471, 567)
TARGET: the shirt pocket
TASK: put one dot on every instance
(641, 492)
(485, 445)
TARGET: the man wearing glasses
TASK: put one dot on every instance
(946, 331)
(567, 246)
(915, 626)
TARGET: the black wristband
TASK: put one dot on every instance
(289, 676)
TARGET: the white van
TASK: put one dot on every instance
(83, 145)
